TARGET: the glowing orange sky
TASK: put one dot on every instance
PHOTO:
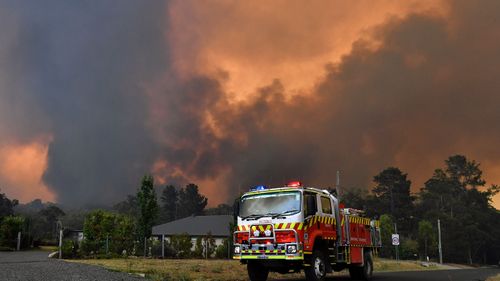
(21, 170)
(258, 41)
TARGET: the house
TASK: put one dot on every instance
(196, 226)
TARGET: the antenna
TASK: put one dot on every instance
(337, 187)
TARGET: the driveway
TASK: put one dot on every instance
(34, 265)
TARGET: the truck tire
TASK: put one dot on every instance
(365, 271)
(317, 270)
(256, 271)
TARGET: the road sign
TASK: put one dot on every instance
(395, 239)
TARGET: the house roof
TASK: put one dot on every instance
(196, 226)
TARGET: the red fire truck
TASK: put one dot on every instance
(293, 228)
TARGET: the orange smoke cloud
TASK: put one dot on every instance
(254, 42)
(21, 170)
(245, 46)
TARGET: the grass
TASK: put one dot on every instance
(48, 248)
(494, 278)
(392, 265)
(199, 269)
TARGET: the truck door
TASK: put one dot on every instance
(327, 218)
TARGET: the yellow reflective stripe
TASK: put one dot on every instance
(300, 226)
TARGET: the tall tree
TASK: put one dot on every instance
(129, 206)
(148, 206)
(169, 204)
(6, 206)
(50, 215)
(355, 198)
(426, 237)
(386, 230)
(470, 224)
(221, 209)
(392, 194)
(191, 202)
(466, 173)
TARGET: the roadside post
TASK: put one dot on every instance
(395, 241)
(60, 243)
(163, 246)
(19, 241)
(107, 244)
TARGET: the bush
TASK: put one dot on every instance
(182, 245)
(101, 226)
(69, 249)
(222, 251)
(408, 249)
(9, 229)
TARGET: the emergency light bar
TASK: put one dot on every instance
(258, 188)
(294, 184)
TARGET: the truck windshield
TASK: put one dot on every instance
(270, 204)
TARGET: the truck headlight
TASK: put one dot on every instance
(291, 249)
(267, 232)
(237, 249)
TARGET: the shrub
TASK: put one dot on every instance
(409, 249)
(222, 251)
(182, 245)
(198, 248)
(101, 226)
(9, 228)
(69, 249)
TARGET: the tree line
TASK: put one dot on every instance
(456, 194)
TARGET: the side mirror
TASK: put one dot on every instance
(310, 206)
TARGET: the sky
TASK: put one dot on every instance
(231, 94)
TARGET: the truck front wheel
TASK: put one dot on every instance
(256, 271)
(317, 270)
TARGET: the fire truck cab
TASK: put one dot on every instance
(293, 228)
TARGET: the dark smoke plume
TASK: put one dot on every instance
(98, 77)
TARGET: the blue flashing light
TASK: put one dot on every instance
(258, 188)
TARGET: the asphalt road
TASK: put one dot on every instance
(33, 265)
(431, 275)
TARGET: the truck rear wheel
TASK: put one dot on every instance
(365, 271)
(317, 270)
(256, 271)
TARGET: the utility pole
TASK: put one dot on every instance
(397, 246)
(440, 247)
(337, 186)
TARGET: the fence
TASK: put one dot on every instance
(171, 247)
